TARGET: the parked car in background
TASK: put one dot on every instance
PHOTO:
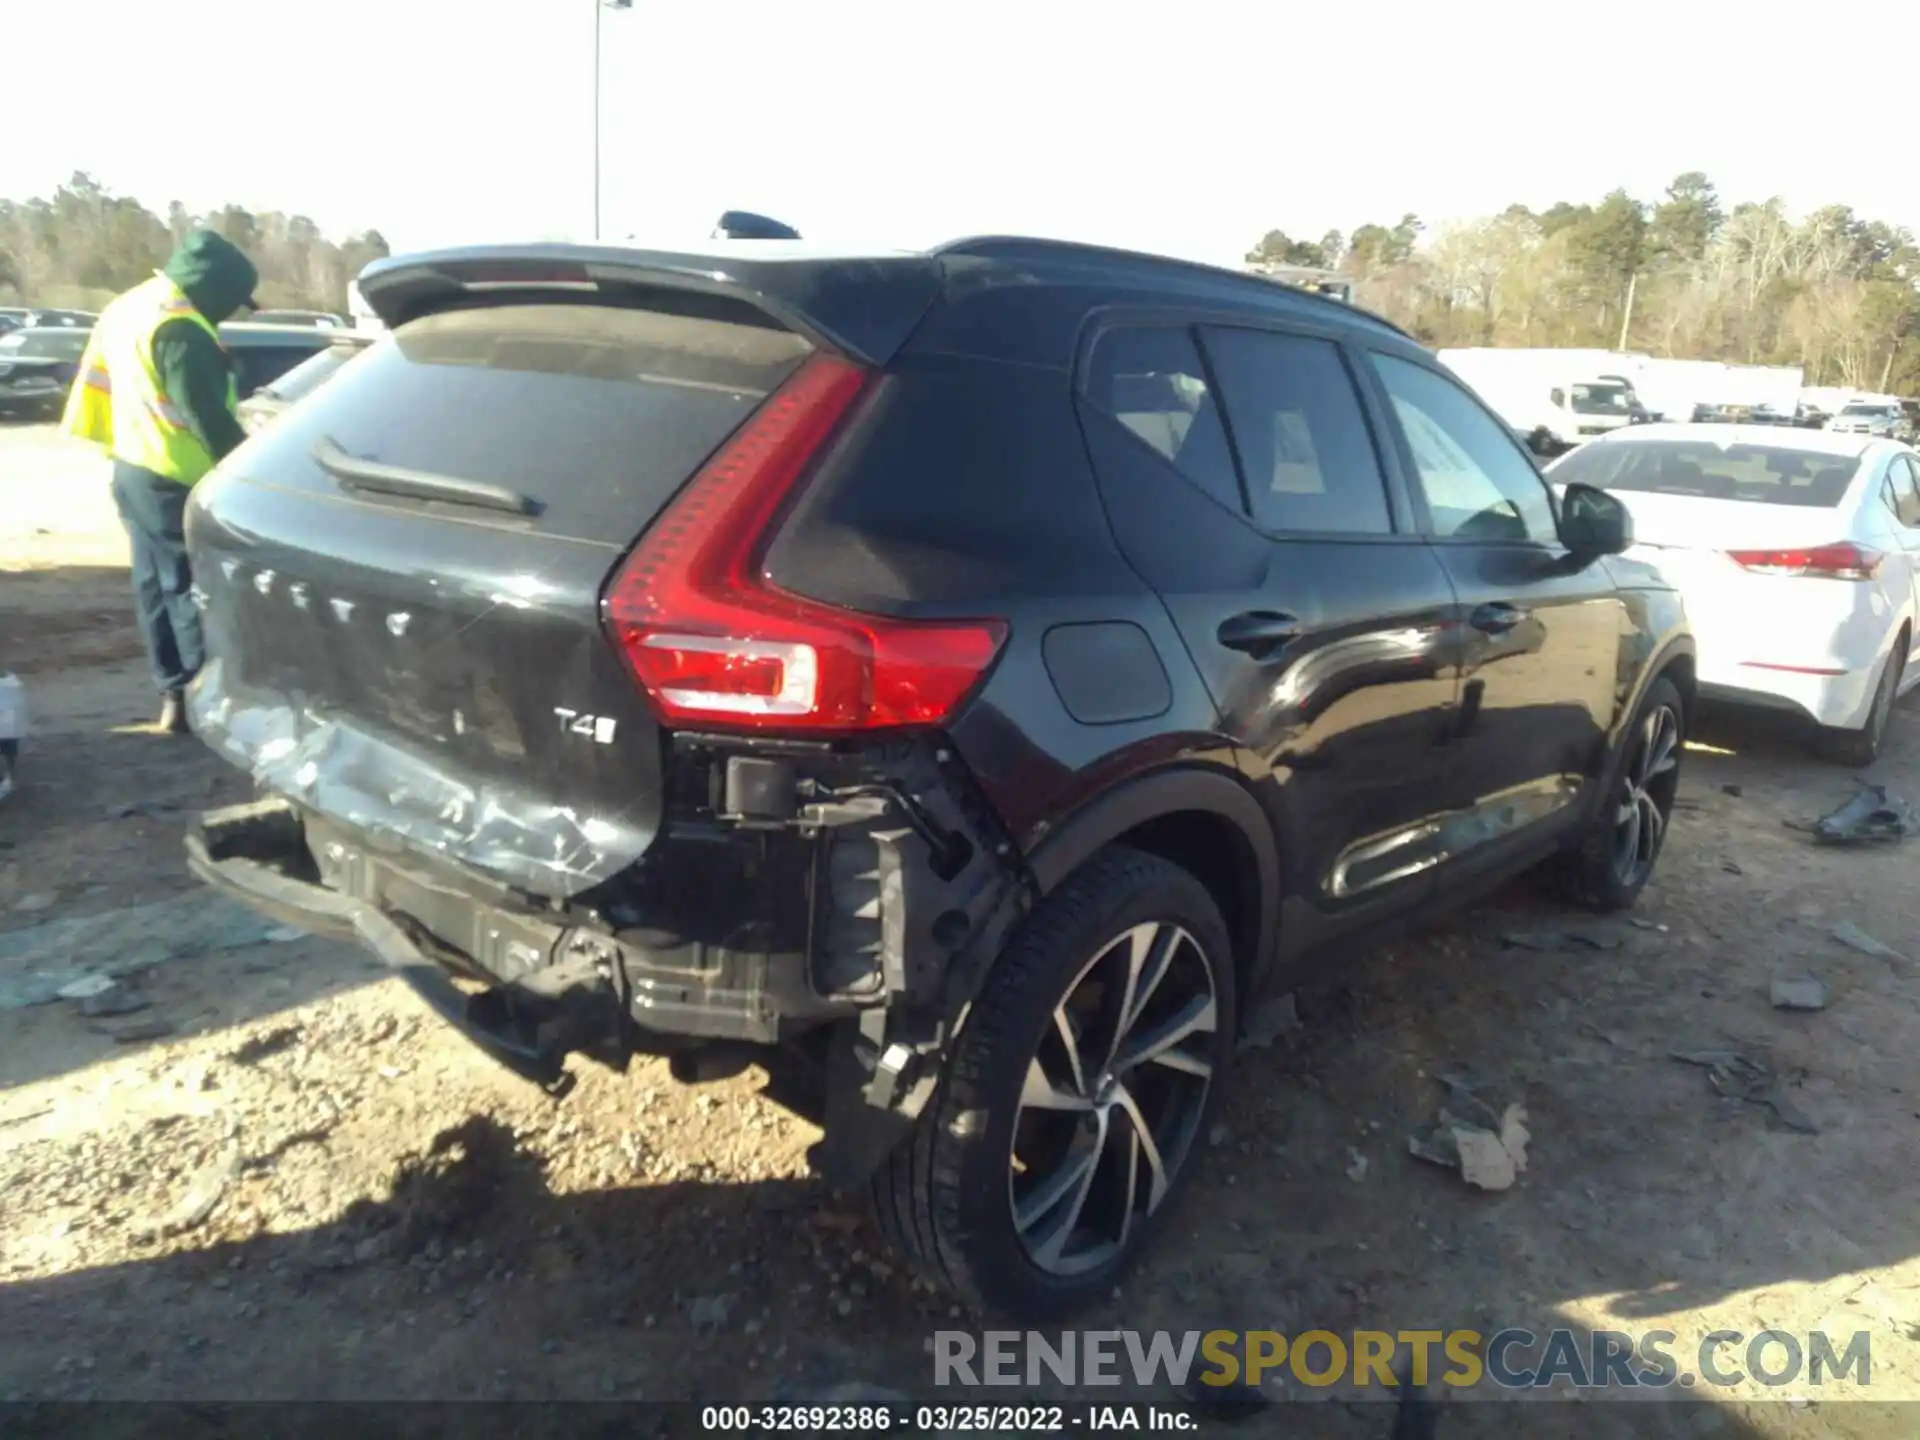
(1798, 552)
(261, 354)
(1882, 418)
(324, 318)
(60, 319)
(265, 405)
(36, 368)
(763, 657)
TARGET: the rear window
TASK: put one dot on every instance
(1757, 474)
(599, 413)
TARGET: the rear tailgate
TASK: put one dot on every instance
(402, 577)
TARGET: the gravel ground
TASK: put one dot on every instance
(273, 1175)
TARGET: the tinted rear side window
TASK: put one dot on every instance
(1303, 439)
(598, 413)
(1152, 382)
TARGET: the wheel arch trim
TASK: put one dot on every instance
(1181, 790)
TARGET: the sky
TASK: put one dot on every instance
(1188, 128)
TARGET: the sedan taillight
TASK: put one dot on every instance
(1844, 561)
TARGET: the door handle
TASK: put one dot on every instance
(1258, 632)
(1496, 617)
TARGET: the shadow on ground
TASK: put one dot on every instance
(93, 881)
(473, 1271)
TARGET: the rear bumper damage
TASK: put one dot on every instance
(839, 908)
(256, 854)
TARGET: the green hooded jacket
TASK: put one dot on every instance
(195, 371)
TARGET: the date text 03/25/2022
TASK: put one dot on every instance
(943, 1419)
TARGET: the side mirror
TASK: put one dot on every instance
(1558, 397)
(1594, 523)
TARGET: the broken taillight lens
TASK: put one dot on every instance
(714, 644)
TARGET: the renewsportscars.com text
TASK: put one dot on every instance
(1511, 1359)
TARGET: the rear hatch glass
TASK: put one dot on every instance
(598, 414)
(434, 669)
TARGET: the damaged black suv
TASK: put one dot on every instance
(962, 683)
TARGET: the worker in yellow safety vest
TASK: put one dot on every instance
(156, 391)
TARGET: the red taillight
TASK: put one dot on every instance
(716, 645)
(1845, 561)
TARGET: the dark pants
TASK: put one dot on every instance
(154, 510)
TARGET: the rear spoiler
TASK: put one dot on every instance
(863, 307)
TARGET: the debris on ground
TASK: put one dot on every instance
(1738, 1077)
(1734, 790)
(708, 1313)
(1489, 1150)
(203, 1193)
(85, 988)
(1854, 938)
(13, 728)
(1731, 867)
(37, 962)
(145, 809)
(1269, 1021)
(1601, 935)
(1357, 1169)
(152, 1028)
(114, 1000)
(1874, 816)
(258, 1047)
(1801, 992)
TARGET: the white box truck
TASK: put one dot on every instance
(1553, 399)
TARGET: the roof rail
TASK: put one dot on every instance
(1007, 247)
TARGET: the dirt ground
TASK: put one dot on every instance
(281, 1178)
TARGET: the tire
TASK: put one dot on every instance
(947, 1196)
(1594, 873)
(1858, 749)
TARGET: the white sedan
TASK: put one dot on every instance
(1798, 555)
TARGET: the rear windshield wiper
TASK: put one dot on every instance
(373, 476)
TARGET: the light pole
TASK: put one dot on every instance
(598, 6)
